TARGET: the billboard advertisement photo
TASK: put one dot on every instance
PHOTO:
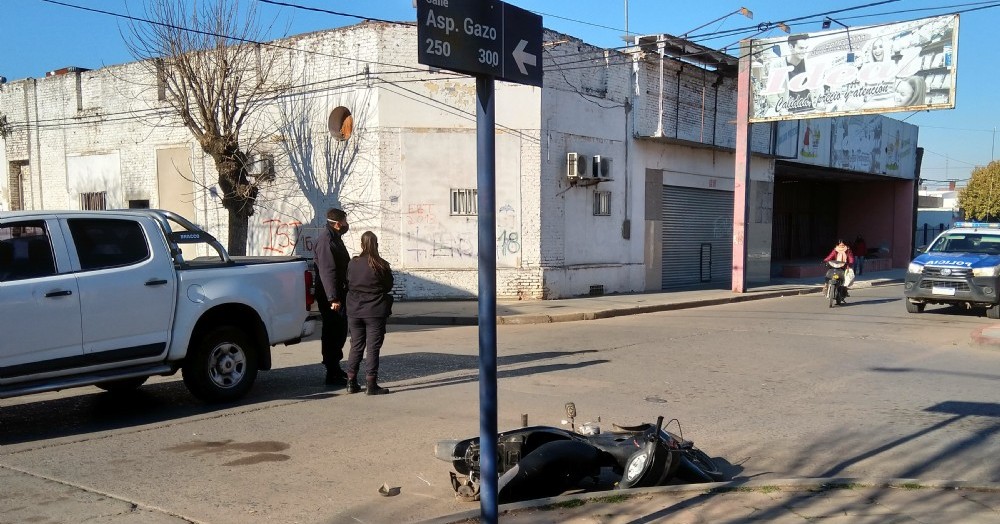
(906, 66)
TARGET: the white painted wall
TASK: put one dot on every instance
(92, 174)
(431, 236)
(4, 177)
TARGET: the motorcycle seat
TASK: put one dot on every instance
(641, 428)
(618, 447)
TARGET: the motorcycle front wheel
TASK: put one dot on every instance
(831, 292)
(697, 466)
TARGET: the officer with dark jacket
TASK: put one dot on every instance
(331, 259)
(369, 304)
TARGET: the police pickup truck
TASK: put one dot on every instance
(961, 267)
(108, 298)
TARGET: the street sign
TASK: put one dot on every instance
(481, 37)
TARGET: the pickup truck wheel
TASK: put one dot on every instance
(123, 385)
(222, 366)
(912, 307)
(993, 312)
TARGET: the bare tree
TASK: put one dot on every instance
(308, 148)
(210, 68)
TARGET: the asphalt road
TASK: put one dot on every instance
(777, 388)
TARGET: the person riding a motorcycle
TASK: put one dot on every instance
(843, 256)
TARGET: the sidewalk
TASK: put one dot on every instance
(464, 312)
(835, 501)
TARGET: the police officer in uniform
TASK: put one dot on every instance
(331, 259)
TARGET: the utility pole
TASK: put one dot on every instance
(627, 35)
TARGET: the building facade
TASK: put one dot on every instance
(616, 176)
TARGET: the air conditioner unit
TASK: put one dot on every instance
(262, 167)
(578, 166)
(602, 166)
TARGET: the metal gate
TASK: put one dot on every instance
(697, 237)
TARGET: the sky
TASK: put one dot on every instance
(37, 36)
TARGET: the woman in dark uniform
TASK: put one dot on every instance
(369, 304)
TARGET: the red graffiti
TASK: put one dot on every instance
(284, 237)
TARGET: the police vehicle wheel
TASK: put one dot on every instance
(993, 312)
(912, 307)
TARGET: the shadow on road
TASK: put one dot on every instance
(91, 411)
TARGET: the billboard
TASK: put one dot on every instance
(907, 66)
(872, 144)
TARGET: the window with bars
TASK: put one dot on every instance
(602, 203)
(464, 202)
(93, 201)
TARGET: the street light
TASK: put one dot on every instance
(826, 25)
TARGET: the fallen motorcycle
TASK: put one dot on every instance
(544, 461)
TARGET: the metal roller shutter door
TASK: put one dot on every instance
(697, 236)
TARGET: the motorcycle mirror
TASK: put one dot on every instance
(570, 410)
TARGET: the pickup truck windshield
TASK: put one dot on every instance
(981, 243)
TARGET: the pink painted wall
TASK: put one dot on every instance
(903, 233)
(882, 211)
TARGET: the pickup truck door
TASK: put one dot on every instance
(127, 288)
(39, 300)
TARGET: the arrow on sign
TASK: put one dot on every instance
(521, 57)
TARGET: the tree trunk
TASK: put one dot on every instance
(239, 193)
(239, 228)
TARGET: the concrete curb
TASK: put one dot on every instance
(435, 320)
(731, 487)
(534, 318)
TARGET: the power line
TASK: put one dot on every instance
(228, 37)
(49, 123)
(337, 13)
(958, 129)
(818, 17)
(970, 164)
(608, 58)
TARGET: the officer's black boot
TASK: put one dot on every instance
(352, 384)
(335, 376)
(374, 388)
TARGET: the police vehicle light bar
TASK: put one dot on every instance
(988, 225)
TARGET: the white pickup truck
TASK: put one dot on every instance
(107, 298)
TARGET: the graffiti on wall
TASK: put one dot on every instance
(441, 245)
(286, 237)
(452, 241)
(420, 214)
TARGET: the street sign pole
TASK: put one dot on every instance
(486, 183)
(490, 40)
